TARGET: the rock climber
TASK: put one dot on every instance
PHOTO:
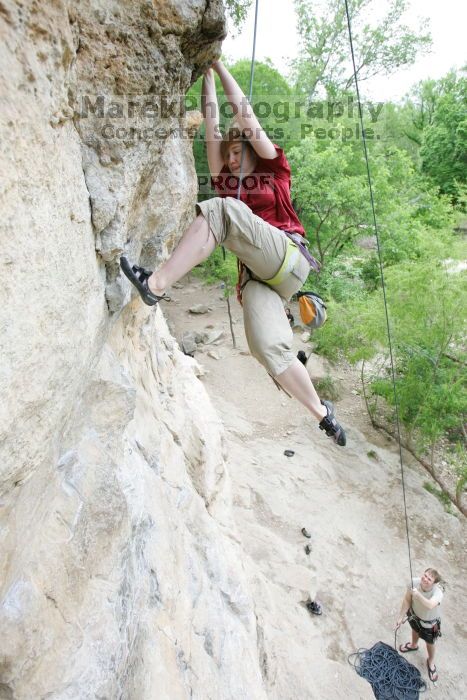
(421, 605)
(264, 232)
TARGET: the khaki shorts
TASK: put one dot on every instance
(262, 248)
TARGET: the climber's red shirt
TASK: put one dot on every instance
(266, 191)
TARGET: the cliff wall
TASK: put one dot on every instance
(119, 576)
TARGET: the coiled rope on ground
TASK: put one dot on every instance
(391, 676)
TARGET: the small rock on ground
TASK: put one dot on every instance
(188, 343)
(199, 309)
(212, 336)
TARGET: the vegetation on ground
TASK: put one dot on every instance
(327, 388)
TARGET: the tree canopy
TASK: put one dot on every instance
(237, 10)
(444, 138)
(381, 44)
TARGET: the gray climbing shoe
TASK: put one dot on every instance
(332, 428)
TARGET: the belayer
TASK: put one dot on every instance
(421, 604)
(264, 232)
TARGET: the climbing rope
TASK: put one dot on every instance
(391, 676)
(383, 285)
(250, 90)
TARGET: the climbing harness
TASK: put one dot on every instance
(428, 630)
(291, 256)
(295, 248)
(302, 245)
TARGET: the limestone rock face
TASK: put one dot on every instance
(134, 64)
(119, 573)
(125, 581)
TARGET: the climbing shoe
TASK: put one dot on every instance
(313, 607)
(330, 425)
(138, 277)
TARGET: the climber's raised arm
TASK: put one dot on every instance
(210, 110)
(244, 114)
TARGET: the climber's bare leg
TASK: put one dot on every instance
(297, 382)
(196, 244)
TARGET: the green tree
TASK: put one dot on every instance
(330, 189)
(444, 142)
(330, 196)
(237, 10)
(430, 126)
(427, 306)
(420, 107)
(405, 124)
(381, 47)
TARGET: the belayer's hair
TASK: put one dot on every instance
(232, 135)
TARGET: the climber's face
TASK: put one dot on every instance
(234, 158)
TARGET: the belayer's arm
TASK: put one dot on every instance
(211, 119)
(244, 114)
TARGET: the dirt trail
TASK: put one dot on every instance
(351, 502)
